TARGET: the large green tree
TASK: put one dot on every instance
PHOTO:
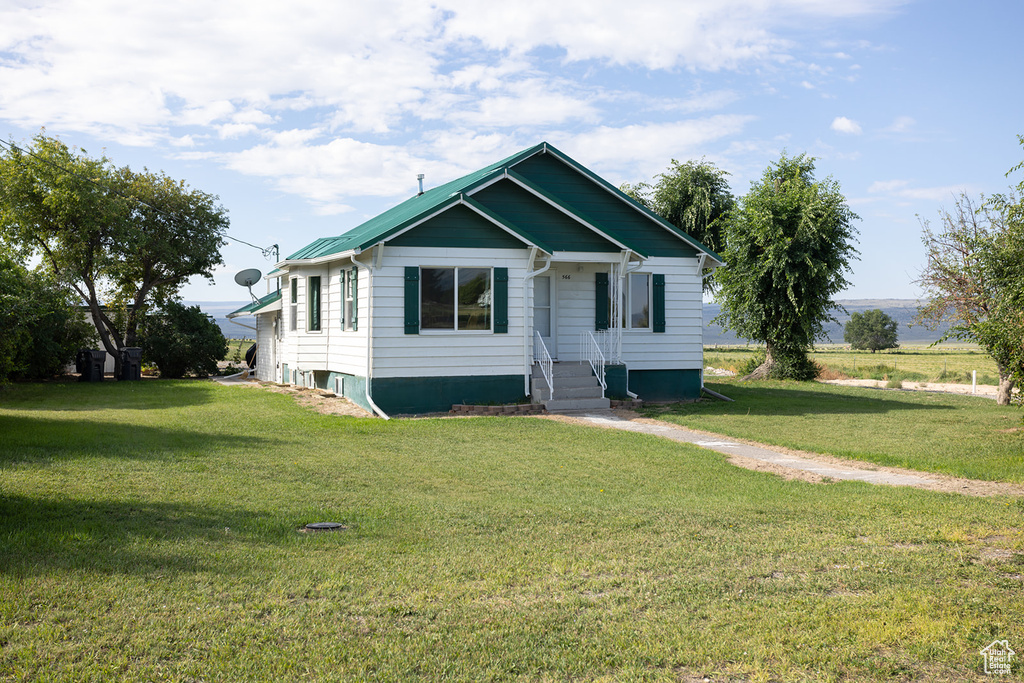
(123, 240)
(873, 330)
(974, 278)
(693, 196)
(788, 247)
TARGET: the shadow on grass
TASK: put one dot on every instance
(43, 535)
(107, 395)
(29, 439)
(791, 398)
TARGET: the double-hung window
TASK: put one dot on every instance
(455, 299)
(349, 299)
(313, 304)
(293, 316)
(636, 313)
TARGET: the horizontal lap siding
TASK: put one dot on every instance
(266, 363)
(437, 353)
(681, 345)
(331, 348)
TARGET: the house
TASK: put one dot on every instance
(484, 289)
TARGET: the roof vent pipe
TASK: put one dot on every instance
(419, 177)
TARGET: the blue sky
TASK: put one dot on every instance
(307, 118)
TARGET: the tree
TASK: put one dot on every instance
(974, 278)
(694, 197)
(873, 330)
(122, 240)
(42, 329)
(182, 340)
(788, 247)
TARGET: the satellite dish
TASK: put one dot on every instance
(248, 277)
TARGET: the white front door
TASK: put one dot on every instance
(543, 312)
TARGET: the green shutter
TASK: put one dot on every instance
(354, 274)
(501, 300)
(314, 303)
(344, 288)
(412, 300)
(601, 301)
(658, 314)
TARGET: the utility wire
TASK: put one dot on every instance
(267, 251)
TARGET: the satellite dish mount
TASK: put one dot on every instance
(247, 278)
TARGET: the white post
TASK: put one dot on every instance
(974, 381)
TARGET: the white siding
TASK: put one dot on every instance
(680, 347)
(266, 356)
(435, 353)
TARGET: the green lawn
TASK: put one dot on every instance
(148, 531)
(945, 363)
(966, 436)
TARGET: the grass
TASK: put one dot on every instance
(148, 531)
(965, 436)
(909, 363)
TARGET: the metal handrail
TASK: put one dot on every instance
(607, 342)
(543, 358)
(590, 351)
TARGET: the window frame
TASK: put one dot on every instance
(455, 329)
(293, 284)
(627, 304)
(314, 304)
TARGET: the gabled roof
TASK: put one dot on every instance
(264, 303)
(437, 200)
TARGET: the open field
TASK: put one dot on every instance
(149, 531)
(946, 363)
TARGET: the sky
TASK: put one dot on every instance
(306, 118)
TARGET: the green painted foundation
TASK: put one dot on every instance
(352, 387)
(405, 395)
(665, 385)
(616, 376)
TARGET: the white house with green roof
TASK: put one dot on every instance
(485, 289)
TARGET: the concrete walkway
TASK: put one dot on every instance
(724, 445)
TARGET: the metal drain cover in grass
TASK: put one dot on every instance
(324, 526)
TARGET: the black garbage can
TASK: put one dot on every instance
(131, 363)
(89, 363)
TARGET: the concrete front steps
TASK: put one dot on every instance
(576, 388)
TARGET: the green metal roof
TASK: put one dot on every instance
(255, 306)
(440, 198)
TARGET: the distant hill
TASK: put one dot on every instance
(900, 310)
(219, 310)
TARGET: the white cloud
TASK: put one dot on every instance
(902, 189)
(841, 124)
(902, 124)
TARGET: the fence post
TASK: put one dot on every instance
(974, 381)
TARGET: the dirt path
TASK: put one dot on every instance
(791, 464)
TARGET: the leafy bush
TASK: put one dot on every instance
(182, 340)
(42, 328)
(796, 366)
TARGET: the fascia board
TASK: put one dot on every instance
(569, 211)
(636, 206)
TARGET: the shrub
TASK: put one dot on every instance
(181, 340)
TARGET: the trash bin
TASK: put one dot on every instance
(131, 363)
(89, 363)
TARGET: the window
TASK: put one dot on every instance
(349, 299)
(542, 305)
(636, 314)
(294, 317)
(455, 299)
(313, 304)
